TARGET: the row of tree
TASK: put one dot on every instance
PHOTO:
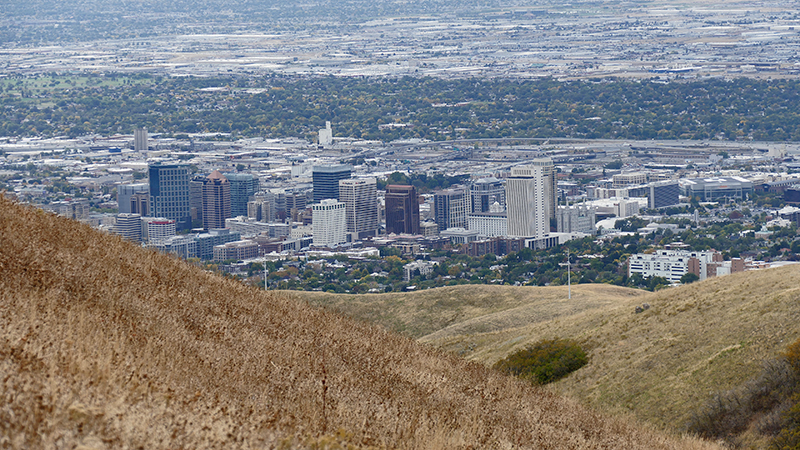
(429, 108)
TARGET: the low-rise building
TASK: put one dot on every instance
(419, 267)
(674, 264)
(237, 250)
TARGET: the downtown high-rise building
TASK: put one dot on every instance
(402, 209)
(243, 187)
(450, 208)
(125, 193)
(326, 180)
(550, 187)
(525, 202)
(140, 140)
(329, 223)
(361, 200)
(216, 200)
(169, 193)
(483, 193)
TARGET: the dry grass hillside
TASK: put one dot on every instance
(106, 345)
(469, 309)
(661, 365)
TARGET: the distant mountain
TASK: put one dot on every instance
(104, 344)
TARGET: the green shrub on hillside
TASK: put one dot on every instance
(545, 361)
(769, 403)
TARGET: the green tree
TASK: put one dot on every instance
(689, 277)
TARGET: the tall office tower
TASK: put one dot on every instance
(169, 193)
(525, 202)
(243, 186)
(485, 192)
(550, 187)
(450, 208)
(196, 198)
(402, 209)
(299, 198)
(663, 193)
(326, 135)
(216, 200)
(140, 139)
(326, 180)
(329, 223)
(125, 192)
(129, 226)
(140, 203)
(361, 200)
(260, 209)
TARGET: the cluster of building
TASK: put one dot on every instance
(674, 264)
(229, 216)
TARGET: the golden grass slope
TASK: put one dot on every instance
(106, 345)
(471, 308)
(661, 365)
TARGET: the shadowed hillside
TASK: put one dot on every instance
(106, 345)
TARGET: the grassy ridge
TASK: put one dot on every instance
(106, 345)
(661, 365)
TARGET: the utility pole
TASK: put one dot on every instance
(569, 275)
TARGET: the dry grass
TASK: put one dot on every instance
(469, 309)
(106, 345)
(661, 365)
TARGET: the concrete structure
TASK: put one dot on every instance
(248, 227)
(157, 229)
(663, 194)
(124, 194)
(216, 200)
(196, 198)
(183, 246)
(576, 219)
(525, 202)
(488, 224)
(419, 267)
(360, 197)
(260, 209)
(622, 180)
(207, 241)
(169, 193)
(549, 179)
(429, 228)
(140, 143)
(459, 235)
(326, 135)
(483, 193)
(326, 180)
(129, 226)
(450, 207)
(72, 209)
(673, 264)
(402, 209)
(243, 186)
(712, 189)
(238, 250)
(329, 222)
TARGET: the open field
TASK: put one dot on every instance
(661, 365)
(106, 345)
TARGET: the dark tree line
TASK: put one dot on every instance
(429, 108)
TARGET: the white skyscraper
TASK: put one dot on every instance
(329, 222)
(525, 201)
(140, 139)
(361, 198)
